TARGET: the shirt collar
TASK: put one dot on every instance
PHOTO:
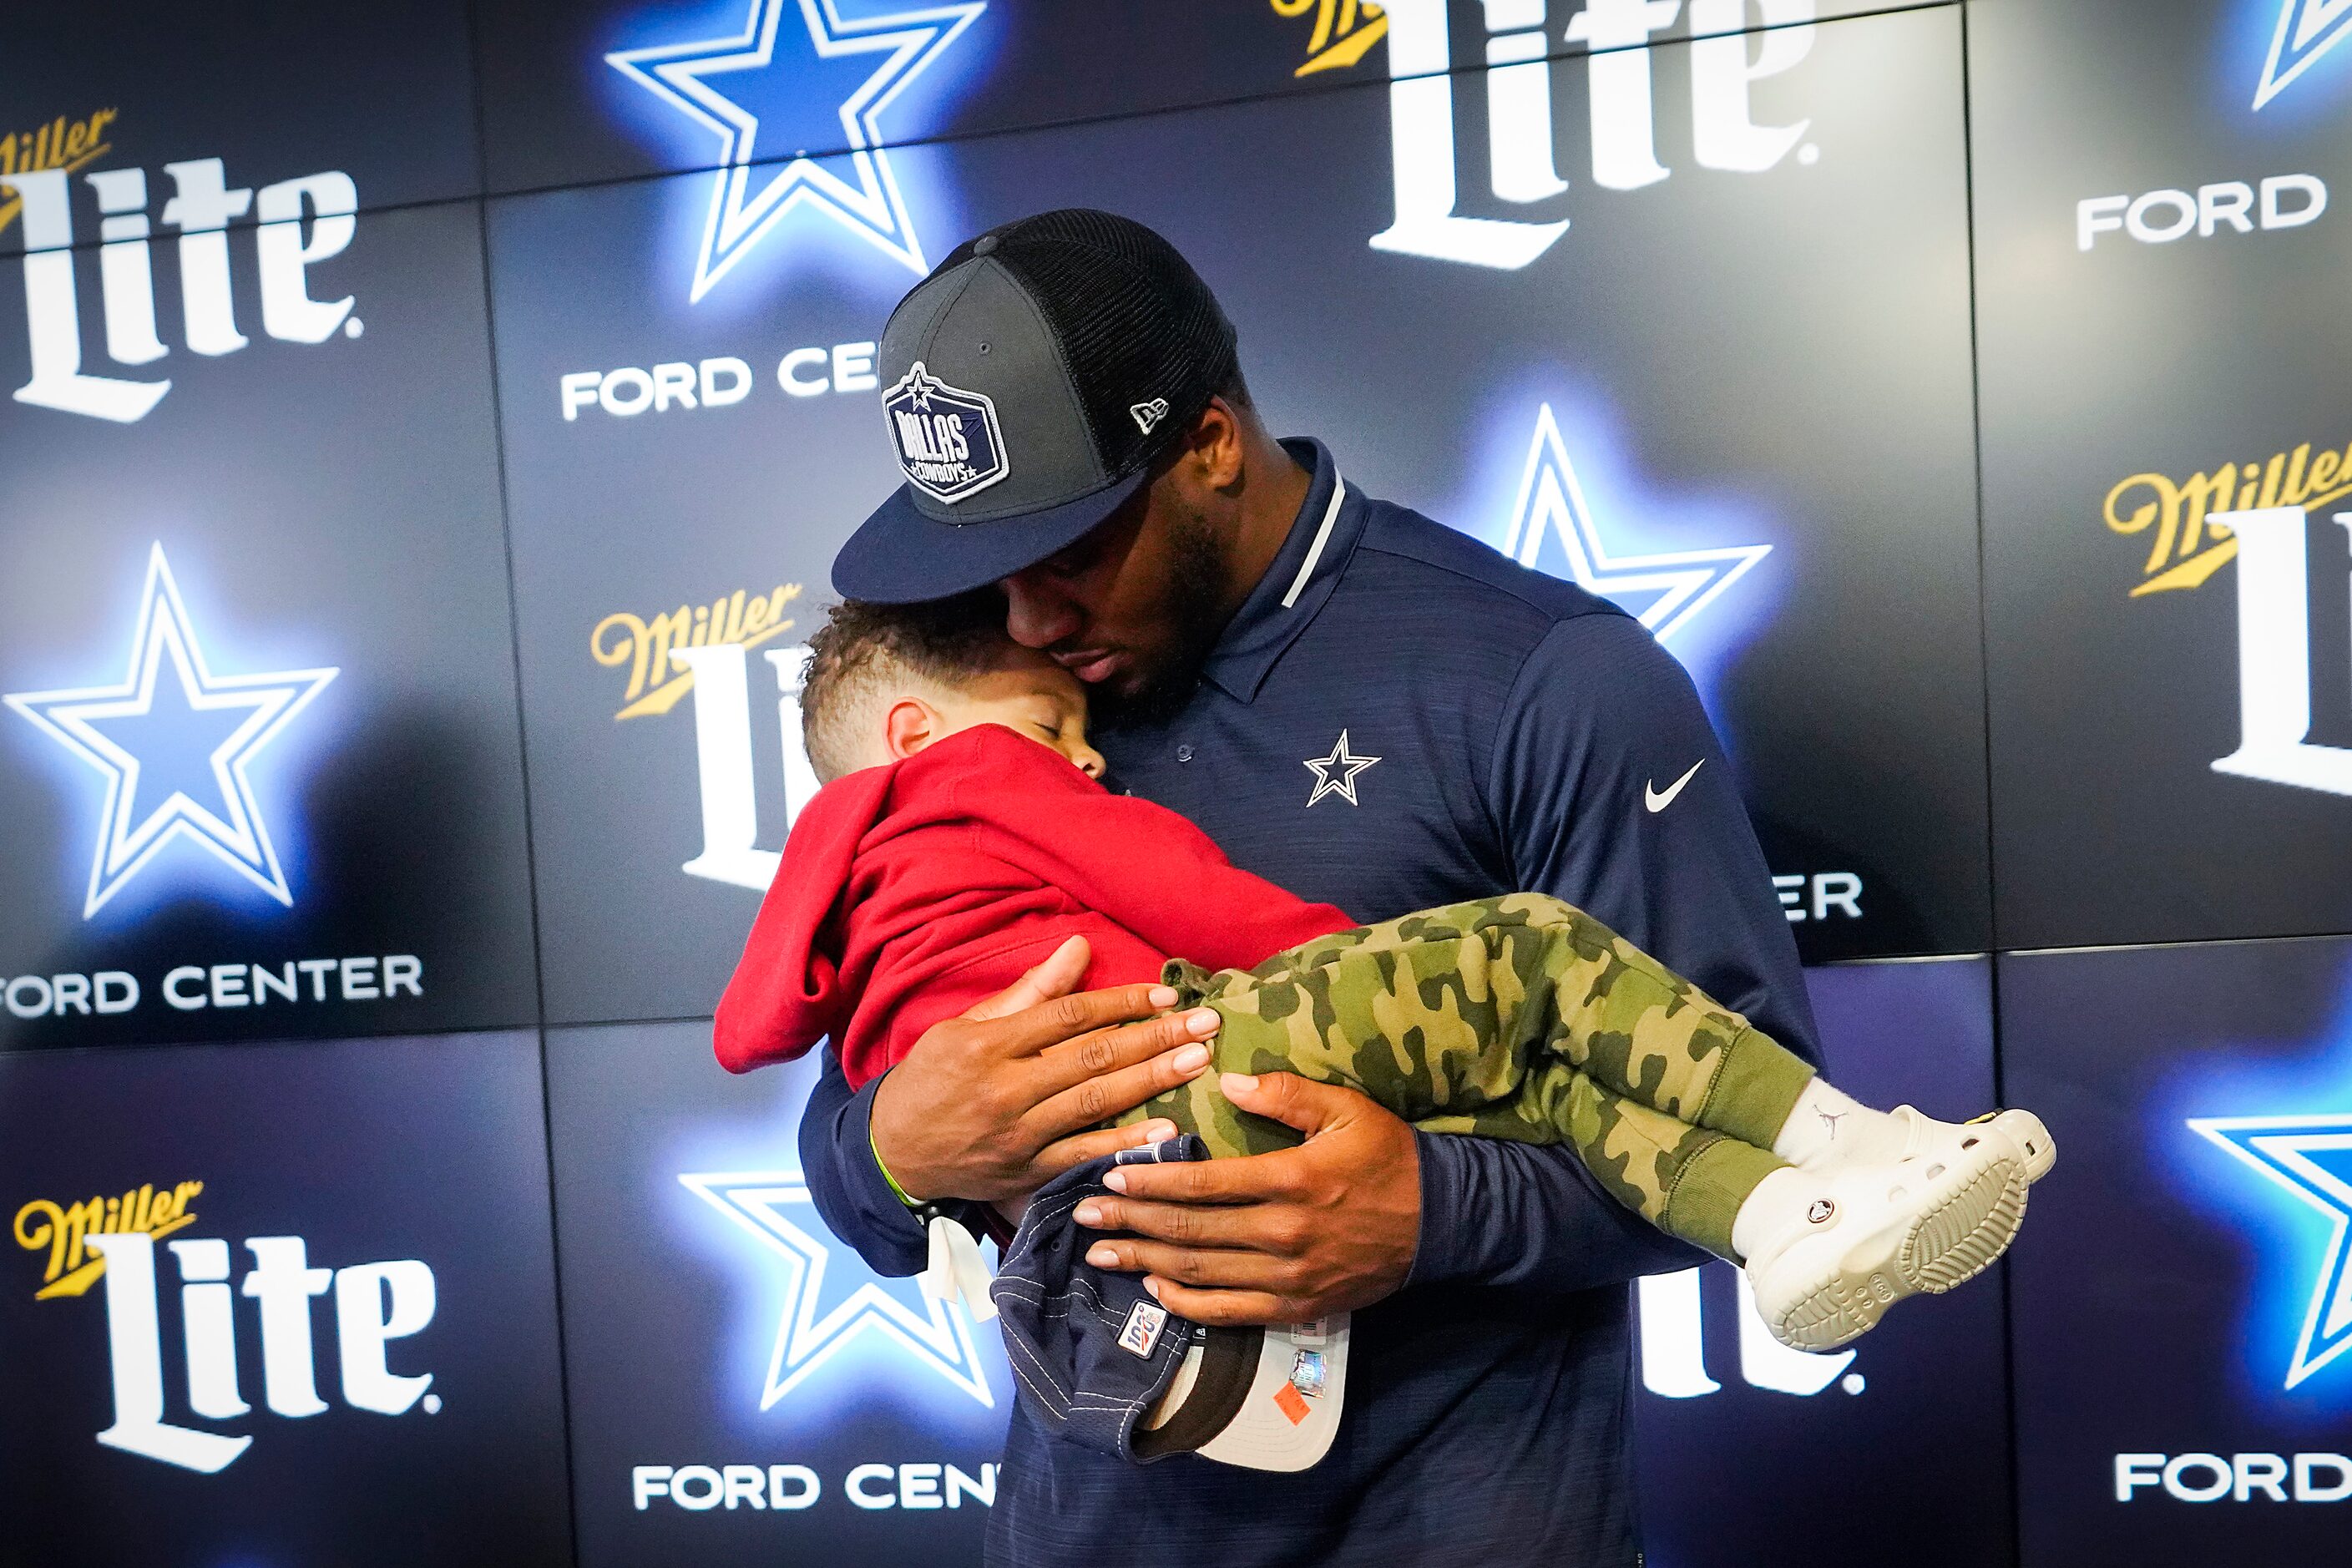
(1304, 574)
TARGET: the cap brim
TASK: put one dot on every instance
(1270, 1424)
(899, 556)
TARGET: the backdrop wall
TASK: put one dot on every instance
(431, 426)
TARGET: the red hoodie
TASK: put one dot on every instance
(910, 891)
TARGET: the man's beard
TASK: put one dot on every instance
(1195, 617)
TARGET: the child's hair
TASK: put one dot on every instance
(861, 657)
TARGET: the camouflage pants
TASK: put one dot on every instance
(1518, 1017)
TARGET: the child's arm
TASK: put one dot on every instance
(1145, 867)
(1161, 878)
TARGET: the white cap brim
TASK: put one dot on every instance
(1280, 1425)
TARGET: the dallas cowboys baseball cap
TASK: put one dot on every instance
(1028, 384)
(1099, 1361)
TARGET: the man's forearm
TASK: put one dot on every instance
(845, 1181)
(1495, 1212)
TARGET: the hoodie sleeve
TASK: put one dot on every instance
(1137, 863)
(786, 992)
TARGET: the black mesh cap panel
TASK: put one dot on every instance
(1134, 321)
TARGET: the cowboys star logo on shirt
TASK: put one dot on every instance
(948, 438)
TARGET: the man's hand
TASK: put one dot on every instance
(1284, 1237)
(995, 1103)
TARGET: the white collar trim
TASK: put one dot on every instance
(1322, 537)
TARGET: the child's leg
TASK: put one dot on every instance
(1479, 992)
(1689, 1182)
(1620, 1014)
(1520, 1017)
(1482, 1018)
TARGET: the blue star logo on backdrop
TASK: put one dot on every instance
(1551, 505)
(240, 714)
(2306, 30)
(2310, 1156)
(868, 205)
(939, 1337)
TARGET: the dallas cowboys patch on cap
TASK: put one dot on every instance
(947, 437)
(1099, 1361)
(1029, 385)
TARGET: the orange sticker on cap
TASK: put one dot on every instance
(1291, 1403)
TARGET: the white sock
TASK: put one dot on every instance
(1828, 1126)
(1777, 1206)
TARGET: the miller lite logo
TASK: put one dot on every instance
(114, 1239)
(1675, 1343)
(947, 438)
(705, 650)
(302, 221)
(2293, 591)
(1440, 213)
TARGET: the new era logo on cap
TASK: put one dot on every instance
(1146, 414)
(948, 440)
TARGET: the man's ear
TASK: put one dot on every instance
(909, 726)
(1214, 445)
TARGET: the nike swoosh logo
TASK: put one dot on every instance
(1657, 802)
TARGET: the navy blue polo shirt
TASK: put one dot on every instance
(1399, 716)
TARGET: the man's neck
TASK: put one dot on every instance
(1274, 493)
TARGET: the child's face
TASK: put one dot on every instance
(1030, 695)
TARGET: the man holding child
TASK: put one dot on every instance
(1375, 712)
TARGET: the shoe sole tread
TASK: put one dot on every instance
(1950, 1242)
